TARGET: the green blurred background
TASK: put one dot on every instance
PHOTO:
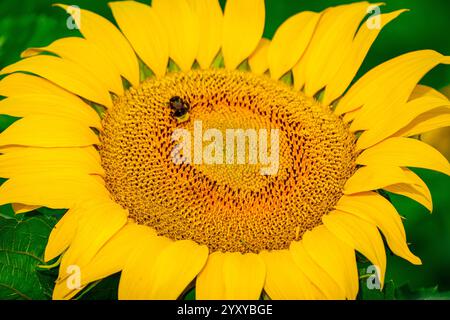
(426, 26)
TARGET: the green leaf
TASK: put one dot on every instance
(48, 211)
(369, 292)
(6, 121)
(22, 245)
(190, 295)
(6, 212)
(388, 292)
(21, 32)
(406, 293)
(106, 289)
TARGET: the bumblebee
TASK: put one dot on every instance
(180, 109)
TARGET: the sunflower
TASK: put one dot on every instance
(94, 137)
(439, 138)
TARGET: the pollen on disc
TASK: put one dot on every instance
(228, 207)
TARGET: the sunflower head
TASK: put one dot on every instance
(226, 205)
(283, 160)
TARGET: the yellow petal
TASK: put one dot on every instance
(182, 26)
(446, 91)
(210, 284)
(40, 104)
(434, 119)
(355, 57)
(244, 276)
(290, 42)
(258, 61)
(385, 125)
(439, 139)
(243, 27)
(418, 190)
(405, 152)
(411, 191)
(231, 276)
(13, 149)
(19, 208)
(360, 235)
(28, 161)
(111, 258)
(62, 234)
(387, 86)
(105, 36)
(176, 267)
(335, 257)
(210, 18)
(146, 33)
(431, 120)
(52, 190)
(375, 177)
(162, 273)
(9, 149)
(285, 281)
(84, 54)
(379, 211)
(66, 74)
(48, 131)
(316, 274)
(62, 291)
(135, 281)
(426, 91)
(17, 84)
(298, 73)
(99, 222)
(331, 41)
(349, 116)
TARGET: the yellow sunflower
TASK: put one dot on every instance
(439, 138)
(94, 137)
